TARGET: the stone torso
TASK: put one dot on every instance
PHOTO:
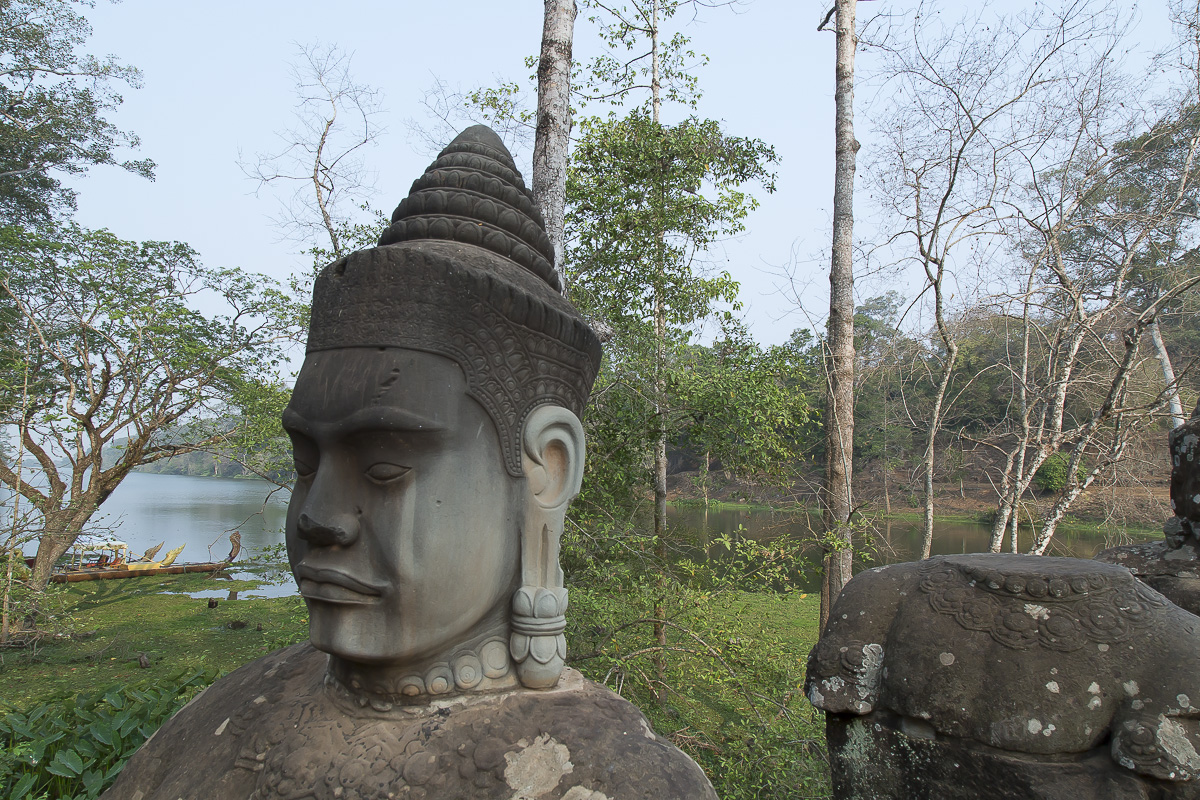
(1042, 677)
(278, 729)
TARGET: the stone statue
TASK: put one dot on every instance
(1172, 566)
(1008, 676)
(436, 433)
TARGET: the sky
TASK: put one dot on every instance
(217, 89)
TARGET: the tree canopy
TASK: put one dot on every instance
(103, 340)
(53, 102)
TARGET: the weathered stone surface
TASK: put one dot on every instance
(273, 730)
(1020, 669)
(1172, 565)
(1185, 475)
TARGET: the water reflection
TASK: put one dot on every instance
(882, 542)
(200, 512)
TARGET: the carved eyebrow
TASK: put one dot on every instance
(367, 419)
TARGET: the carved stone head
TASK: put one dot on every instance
(435, 427)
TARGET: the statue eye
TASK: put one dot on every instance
(303, 470)
(383, 472)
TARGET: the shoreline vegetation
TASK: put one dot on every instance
(151, 638)
(735, 702)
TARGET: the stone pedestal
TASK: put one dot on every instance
(278, 728)
(880, 756)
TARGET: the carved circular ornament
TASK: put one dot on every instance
(1025, 601)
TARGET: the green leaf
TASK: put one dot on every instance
(101, 733)
(66, 763)
(24, 786)
(93, 782)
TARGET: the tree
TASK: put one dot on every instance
(53, 103)
(102, 340)
(322, 156)
(954, 123)
(743, 406)
(837, 491)
(648, 199)
(554, 125)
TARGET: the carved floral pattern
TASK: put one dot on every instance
(1024, 609)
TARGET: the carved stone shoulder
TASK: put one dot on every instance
(274, 730)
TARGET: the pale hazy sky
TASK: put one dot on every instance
(217, 83)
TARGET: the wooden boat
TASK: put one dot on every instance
(118, 568)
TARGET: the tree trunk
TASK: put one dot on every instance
(1050, 523)
(935, 423)
(660, 404)
(1164, 360)
(554, 124)
(60, 530)
(839, 413)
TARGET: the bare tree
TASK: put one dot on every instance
(322, 154)
(554, 124)
(1011, 142)
(955, 119)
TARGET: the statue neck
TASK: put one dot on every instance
(481, 663)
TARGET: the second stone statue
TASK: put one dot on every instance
(437, 440)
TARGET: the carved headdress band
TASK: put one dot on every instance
(465, 272)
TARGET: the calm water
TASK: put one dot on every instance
(887, 541)
(198, 512)
(201, 512)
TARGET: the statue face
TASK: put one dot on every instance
(402, 530)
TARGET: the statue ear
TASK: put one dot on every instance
(552, 456)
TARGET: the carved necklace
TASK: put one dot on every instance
(485, 667)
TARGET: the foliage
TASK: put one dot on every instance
(744, 406)
(1054, 472)
(74, 746)
(639, 57)
(53, 103)
(644, 200)
(102, 338)
(737, 638)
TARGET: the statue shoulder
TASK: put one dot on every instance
(603, 741)
(201, 745)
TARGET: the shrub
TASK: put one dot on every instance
(1052, 474)
(75, 746)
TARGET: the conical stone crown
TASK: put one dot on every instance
(474, 194)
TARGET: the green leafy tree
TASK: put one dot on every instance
(103, 340)
(646, 201)
(741, 405)
(53, 102)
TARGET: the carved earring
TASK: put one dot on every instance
(553, 464)
(537, 644)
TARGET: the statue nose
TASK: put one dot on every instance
(327, 533)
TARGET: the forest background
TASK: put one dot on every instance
(1026, 322)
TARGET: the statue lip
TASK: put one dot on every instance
(333, 586)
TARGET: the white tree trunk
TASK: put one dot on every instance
(1164, 360)
(554, 124)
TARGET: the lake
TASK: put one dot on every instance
(201, 512)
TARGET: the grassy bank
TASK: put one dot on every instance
(113, 623)
(734, 700)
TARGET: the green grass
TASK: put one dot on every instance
(115, 621)
(741, 715)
